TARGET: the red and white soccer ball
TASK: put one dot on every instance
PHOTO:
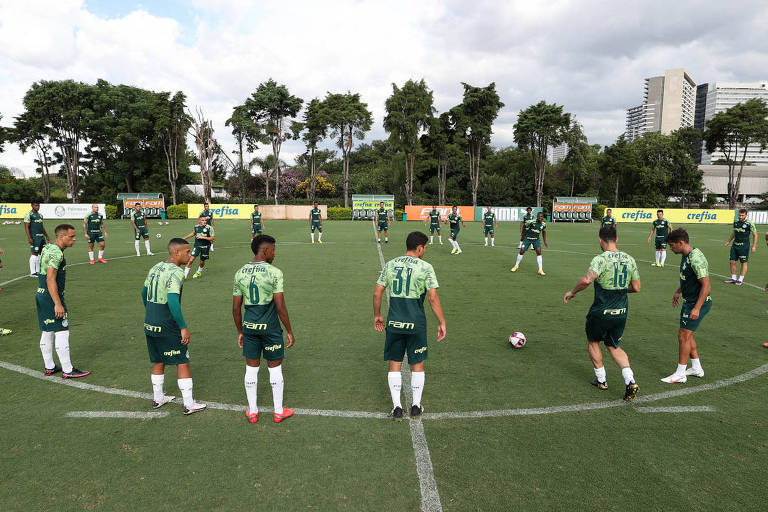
(517, 340)
(159, 235)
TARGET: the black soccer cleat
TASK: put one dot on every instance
(74, 374)
(51, 371)
(416, 411)
(600, 385)
(397, 414)
(631, 392)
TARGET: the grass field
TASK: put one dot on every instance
(550, 441)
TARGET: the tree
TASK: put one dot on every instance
(439, 141)
(538, 127)
(575, 162)
(315, 128)
(617, 159)
(409, 111)
(29, 132)
(271, 108)
(171, 130)
(247, 134)
(346, 117)
(207, 148)
(732, 132)
(473, 120)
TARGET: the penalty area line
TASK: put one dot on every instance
(692, 408)
(136, 415)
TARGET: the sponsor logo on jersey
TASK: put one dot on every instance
(420, 350)
(41, 290)
(401, 325)
(153, 328)
(272, 348)
(255, 327)
(622, 311)
(49, 321)
(172, 353)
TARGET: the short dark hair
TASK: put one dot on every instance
(743, 210)
(528, 209)
(62, 227)
(136, 203)
(175, 243)
(260, 240)
(34, 201)
(203, 217)
(659, 211)
(206, 203)
(415, 239)
(607, 234)
(608, 210)
(678, 235)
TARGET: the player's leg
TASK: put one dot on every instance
(456, 242)
(192, 256)
(485, 238)
(743, 270)
(431, 235)
(394, 352)
(34, 258)
(596, 356)
(386, 236)
(622, 359)
(273, 353)
(733, 264)
(46, 348)
(159, 398)
(663, 256)
(146, 242)
(90, 253)
(62, 351)
(101, 252)
(539, 261)
(137, 237)
(493, 239)
(519, 257)
(320, 234)
(251, 382)
(204, 255)
(417, 354)
(439, 236)
(184, 381)
(312, 233)
(684, 351)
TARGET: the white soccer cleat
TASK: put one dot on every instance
(166, 399)
(675, 379)
(195, 407)
(694, 372)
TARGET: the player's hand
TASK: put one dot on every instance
(568, 296)
(726, 244)
(441, 331)
(240, 340)
(185, 336)
(694, 314)
(675, 299)
(2, 252)
(290, 340)
(754, 249)
(58, 311)
(546, 245)
(87, 237)
(31, 242)
(378, 323)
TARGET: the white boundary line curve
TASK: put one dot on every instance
(692, 408)
(117, 414)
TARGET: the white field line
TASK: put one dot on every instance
(117, 414)
(692, 408)
(430, 496)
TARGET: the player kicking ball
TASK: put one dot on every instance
(694, 288)
(259, 286)
(534, 233)
(204, 238)
(615, 275)
(409, 279)
(166, 331)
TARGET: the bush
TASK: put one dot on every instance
(177, 211)
(599, 211)
(398, 214)
(111, 211)
(339, 213)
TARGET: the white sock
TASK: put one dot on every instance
(519, 259)
(680, 369)
(157, 387)
(741, 278)
(486, 241)
(62, 350)
(539, 261)
(395, 380)
(440, 238)
(46, 347)
(658, 256)
(251, 385)
(146, 245)
(33, 264)
(101, 254)
(386, 239)
(663, 257)
(457, 245)
(185, 386)
(520, 245)
(211, 246)
(733, 276)
(600, 374)
(696, 364)
(186, 271)
(277, 383)
(136, 245)
(628, 374)
(199, 269)
(431, 238)
(493, 242)
(320, 236)
(313, 236)
(90, 255)
(417, 385)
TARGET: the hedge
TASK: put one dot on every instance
(177, 211)
(339, 213)
(111, 211)
(600, 211)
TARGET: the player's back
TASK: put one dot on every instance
(407, 280)
(257, 283)
(615, 271)
(163, 279)
(52, 256)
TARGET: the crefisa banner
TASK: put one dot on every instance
(506, 213)
(49, 211)
(674, 215)
(372, 201)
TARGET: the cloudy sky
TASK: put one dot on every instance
(590, 56)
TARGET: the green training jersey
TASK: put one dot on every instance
(608, 221)
(434, 218)
(52, 257)
(93, 222)
(407, 279)
(615, 270)
(454, 220)
(661, 227)
(692, 268)
(742, 231)
(382, 216)
(489, 218)
(527, 218)
(138, 219)
(316, 215)
(205, 231)
(534, 229)
(256, 219)
(35, 221)
(163, 279)
(257, 283)
(208, 214)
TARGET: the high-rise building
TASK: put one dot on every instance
(669, 103)
(698, 118)
(558, 153)
(724, 95)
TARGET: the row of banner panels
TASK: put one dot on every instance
(50, 211)
(756, 216)
(268, 211)
(372, 201)
(507, 213)
(470, 213)
(675, 215)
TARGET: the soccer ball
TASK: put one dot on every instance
(161, 236)
(517, 340)
(159, 223)
(166, 223)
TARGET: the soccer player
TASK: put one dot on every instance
(742, 229)
(208, 214)
(433, 217)
(527, 218)
(382, 217)
(662, 227)
(533, 232)
(259, 286)
(695, 288)
(608, 220)
(36, 236)
(454, 218)
(489, 225)
(316, 223)
(140, 229)
(204, 237)
(165, 329)
(409, 279)
(51, 308)
(257, 224)
(615, 274)
(94, 231)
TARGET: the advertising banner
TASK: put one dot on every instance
(674, 215)
(506, 213)
(243, 211)
(420, 212)
(372, 201)
(14, 210)
(572, 207)
(150, 207)
(758, 216)
(49, 211)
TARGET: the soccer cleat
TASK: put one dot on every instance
(378, 241)
(416, 411)
(765, 345)
(150, 254)
(730, 281)
(196, 275)
(431, 243)
(101, 260)
(541, 273)
(91, 262)
(631, 391)
(513, 269)
(656, 264)
(287, 413)
(253, 417)
(313, 241)
(196, 407)
(397, 414)
(74, 374)
(163, 401)
(459, 251)
(5, 332)
(599, 385)
(51, 371)
(386, 241)
(661, 265)
(739, 283)
(694, 372)
(675, 379)
(453, 251)
(319, 241)
(441, 243)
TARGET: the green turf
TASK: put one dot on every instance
(609, 459)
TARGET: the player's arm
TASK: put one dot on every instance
(754, 238)
(282, 312)
(581, 284)
(544, 237)
(53, 290)
(676, 297)
(237, 316)
(462, 222)
(496, 222)
(144, 295)
(706, 287)
(730, 239)
(29, 235)
(653, 228)
(174, 305)
(378, 320)
(189, 235)
(251, 223)
(85, 228)
(437, 309)
(634, 286)
(133, 221)
(103, 228)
